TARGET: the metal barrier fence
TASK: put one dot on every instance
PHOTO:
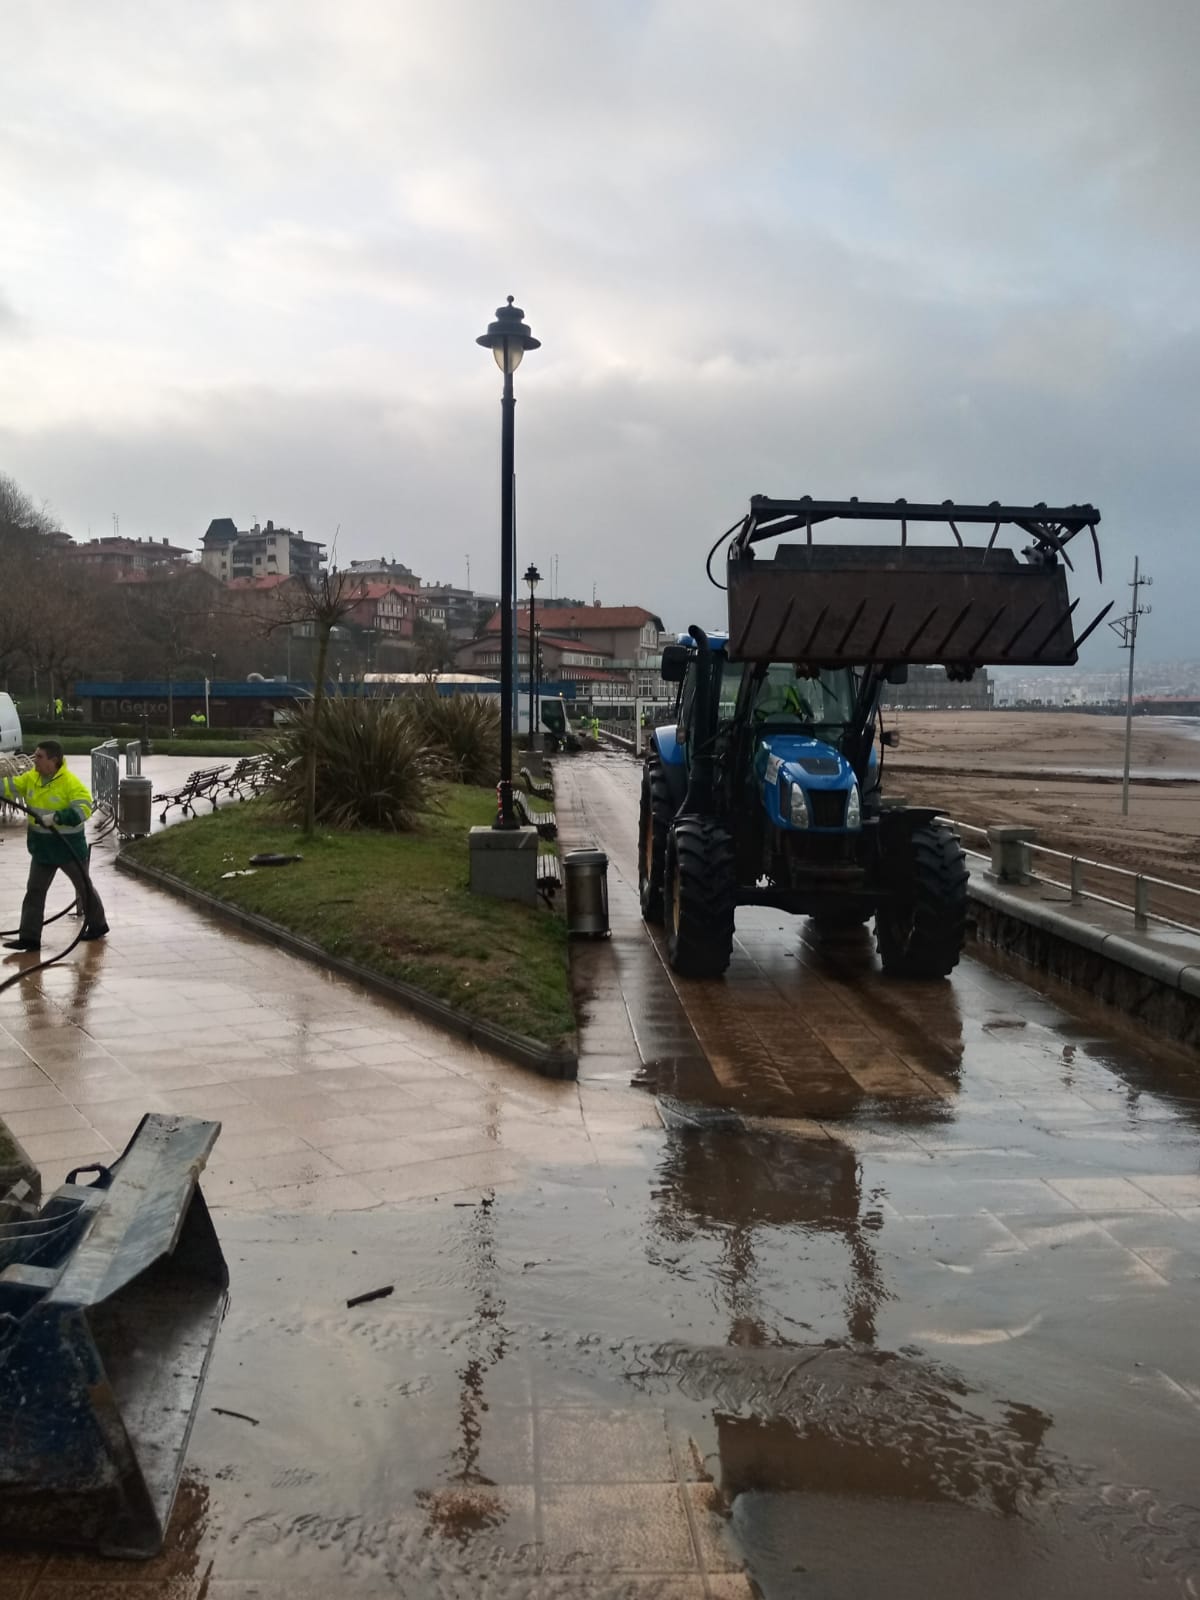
(1072, 874)
(106, 776)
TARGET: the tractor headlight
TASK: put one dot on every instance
(854, 809)
(797, 807)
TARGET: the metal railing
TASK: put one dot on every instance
(106, 776)
(1072, 880)
(621, 733)
(11, 766)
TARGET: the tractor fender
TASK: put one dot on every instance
(664, 742)
(904, 819)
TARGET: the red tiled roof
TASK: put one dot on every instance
(268, 580)
(368, 590)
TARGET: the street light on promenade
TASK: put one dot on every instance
(537, 664)
(507, 338)
(532, 577)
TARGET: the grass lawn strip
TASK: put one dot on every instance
(396, 903)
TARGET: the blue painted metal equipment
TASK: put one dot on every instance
(110, 1301)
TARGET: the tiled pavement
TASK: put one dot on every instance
(329, 1099)
(971, 1173)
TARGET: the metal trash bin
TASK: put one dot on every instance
(135, 807)
(585, 874)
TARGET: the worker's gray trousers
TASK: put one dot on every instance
(33, 907)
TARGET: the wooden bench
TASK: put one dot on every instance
(537, 786)
(203, 785)
(548, 879)
(247, 777)
(545, 822)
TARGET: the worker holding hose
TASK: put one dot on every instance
(59, 805)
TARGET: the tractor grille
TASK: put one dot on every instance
(820, 766)
(828, 807)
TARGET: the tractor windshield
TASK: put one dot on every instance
(823, 704)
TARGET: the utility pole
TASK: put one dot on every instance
(1125, 629)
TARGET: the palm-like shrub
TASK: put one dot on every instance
(462, 732)
(373, 769)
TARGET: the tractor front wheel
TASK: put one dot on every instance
(920, 927)
(654, 821)
(701, 893)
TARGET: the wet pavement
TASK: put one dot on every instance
(861, 1284)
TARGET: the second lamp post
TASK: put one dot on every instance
(532, 577)
(507, 338)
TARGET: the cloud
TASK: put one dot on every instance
(857, 249)
(10, 323)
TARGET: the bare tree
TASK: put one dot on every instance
(175, 622)
(434, 651)
(18, 514)
(58, 643)
(22, 530)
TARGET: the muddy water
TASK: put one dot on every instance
(724, 1350)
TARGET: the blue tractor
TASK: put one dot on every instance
(767, 787)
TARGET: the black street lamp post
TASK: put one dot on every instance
(507, 338)
(532, 577)
(537, 662)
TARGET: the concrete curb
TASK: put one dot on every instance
(1148, 983)
(516, 1047)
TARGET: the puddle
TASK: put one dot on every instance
(698, 1357)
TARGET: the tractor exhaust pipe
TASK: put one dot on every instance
(698, 801)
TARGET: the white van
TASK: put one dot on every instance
(10, 725)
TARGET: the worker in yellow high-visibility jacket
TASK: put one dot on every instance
(59, 805)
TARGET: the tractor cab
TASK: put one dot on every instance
(785, 735)
(802, 722)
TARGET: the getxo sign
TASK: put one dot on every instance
(133, 708)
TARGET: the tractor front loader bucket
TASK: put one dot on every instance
(843, 605)
(110, 1301)
(959, 606)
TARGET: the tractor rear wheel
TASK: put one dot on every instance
(701, 893)
(920, 931)
(654, 821)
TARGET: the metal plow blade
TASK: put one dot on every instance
(110, 1301)
(850, 605)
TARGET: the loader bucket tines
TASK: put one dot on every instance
(960, 606)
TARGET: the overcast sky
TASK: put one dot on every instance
(878, 247)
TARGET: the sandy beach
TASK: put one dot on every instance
(1060, 773)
